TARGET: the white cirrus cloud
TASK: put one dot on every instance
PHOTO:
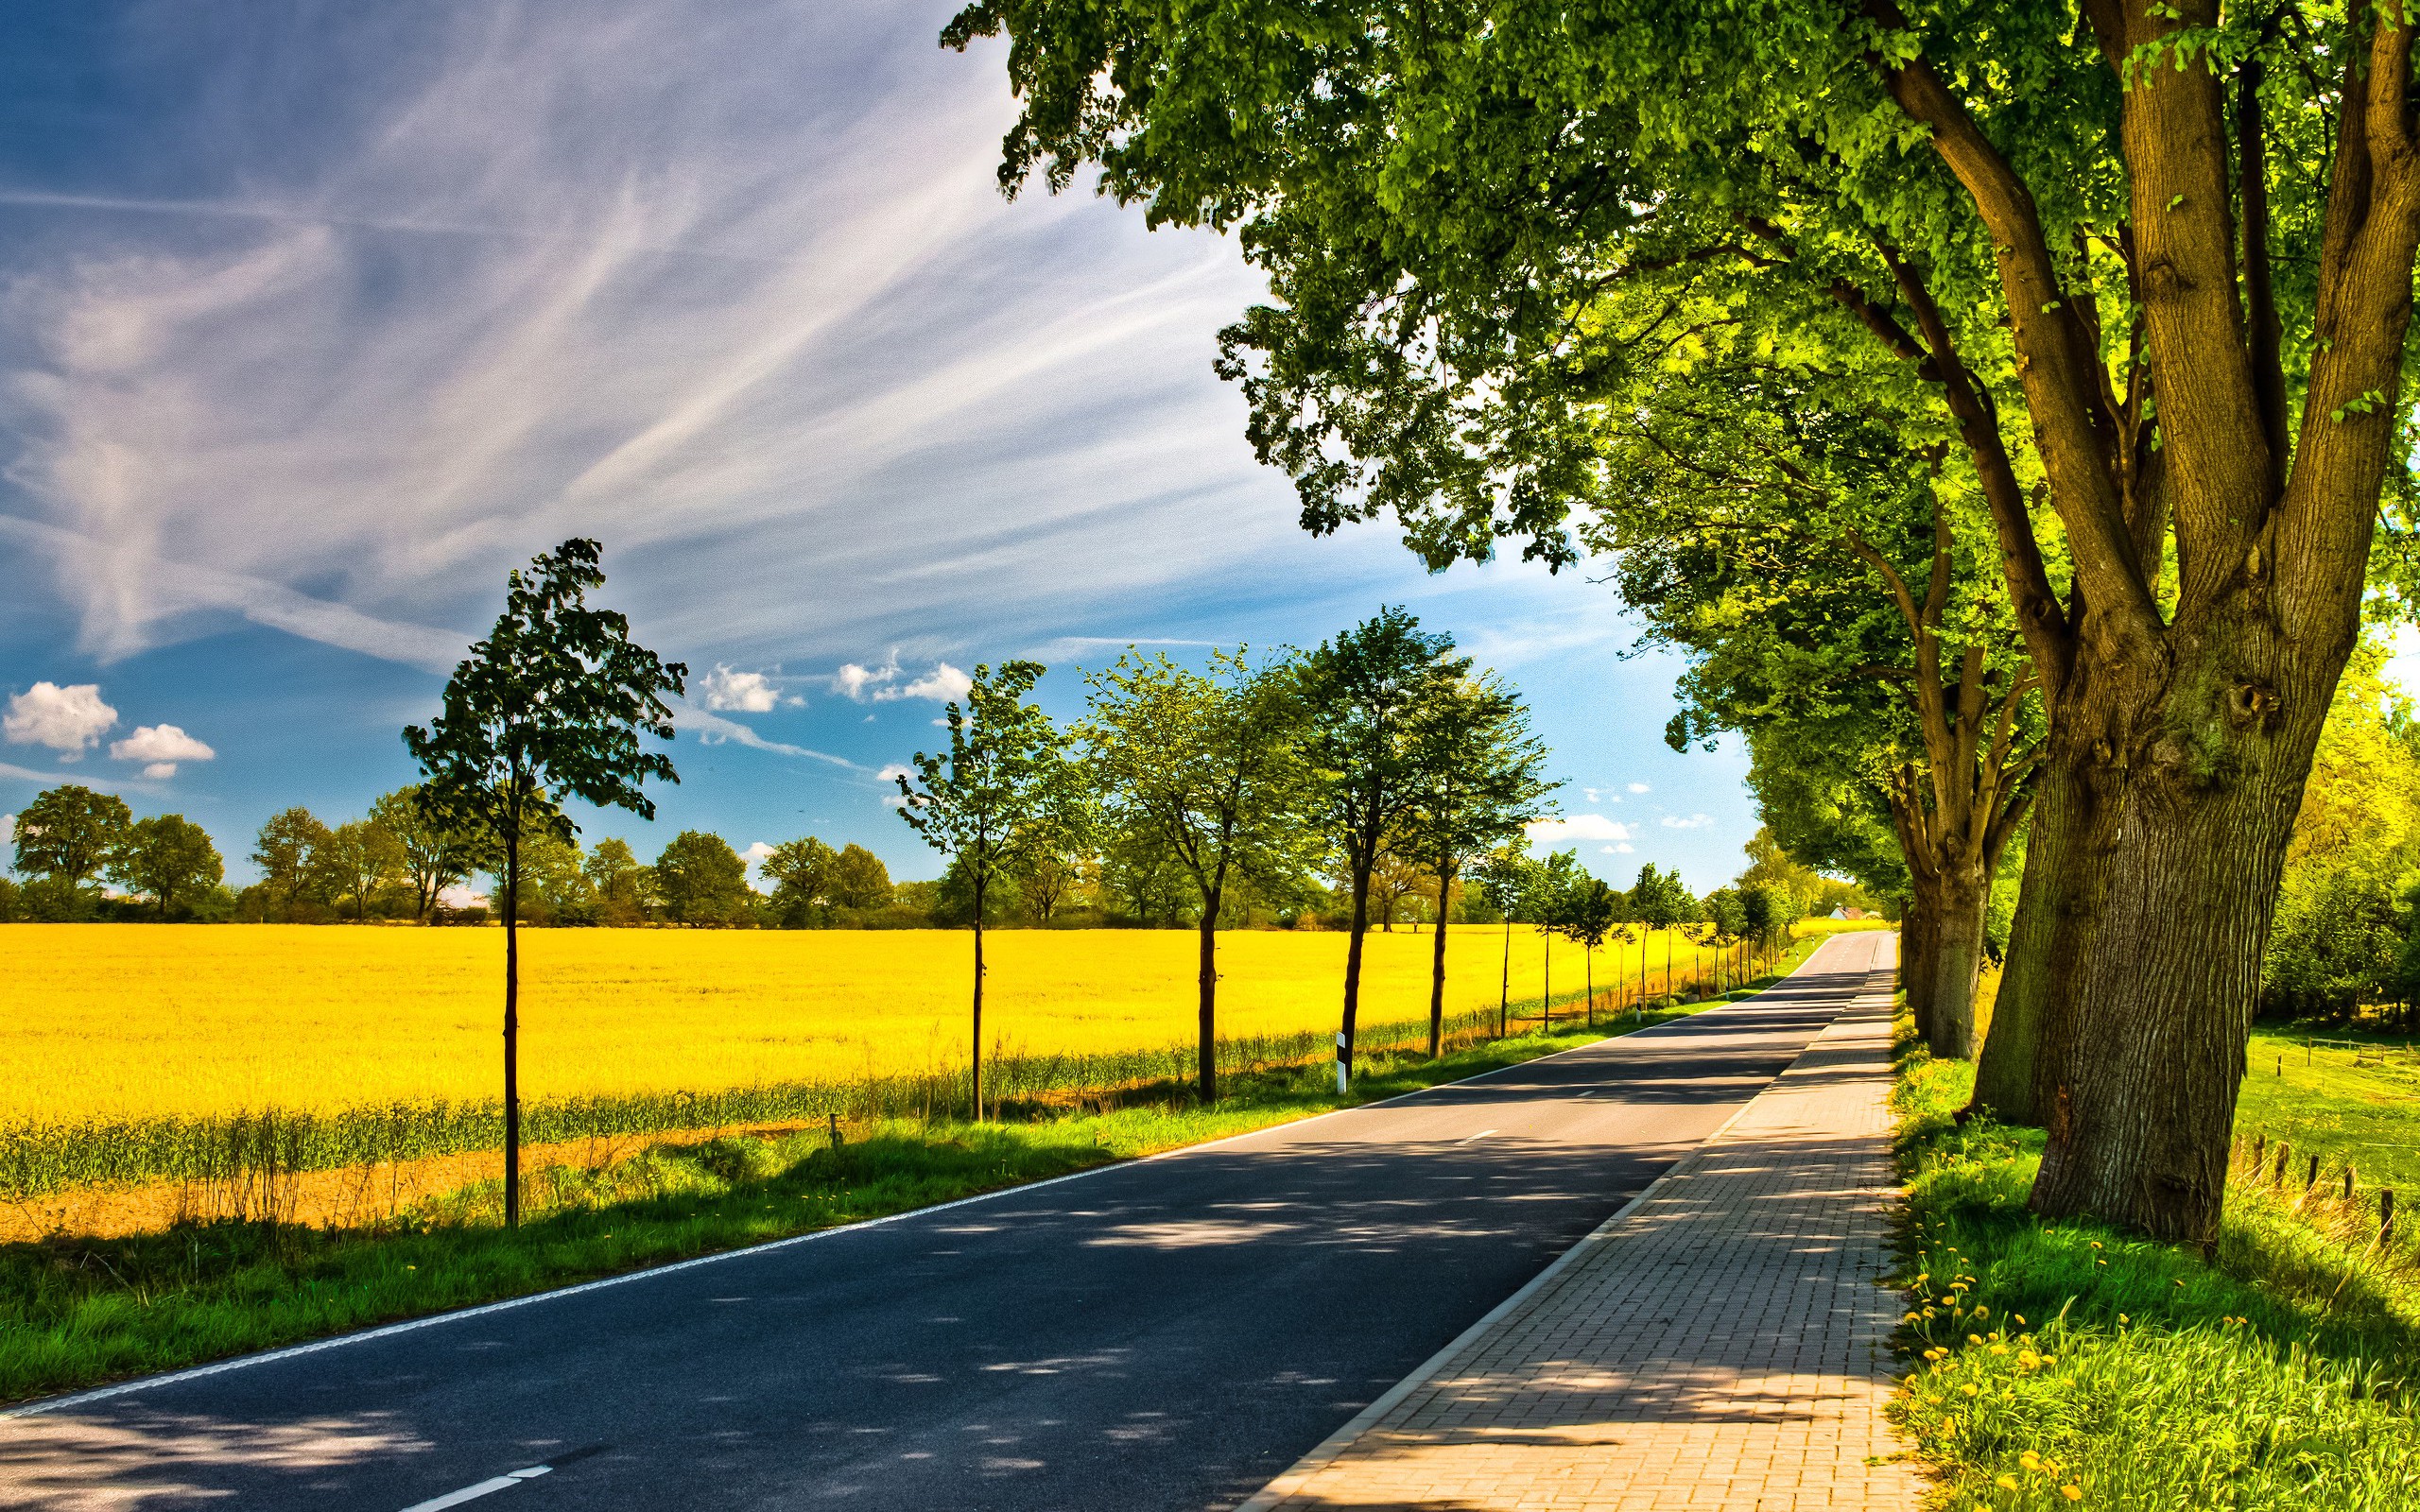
(1576, 827)
(882, 684)
(8, 832)
(747, 693)
(162, 748)
(1695, 821)
(713, 730)
(69, 720)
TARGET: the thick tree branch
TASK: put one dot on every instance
(2055, 359)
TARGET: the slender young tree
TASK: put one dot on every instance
(1476, 777)
(978, 802)
(1368, 689)
(1503, 876)
(1590, 913)
(1206, 767)
(551, 704)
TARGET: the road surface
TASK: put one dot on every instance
(1167, 1333)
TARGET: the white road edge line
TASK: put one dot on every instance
(1272, 1495)
(411, 1325)
(487, 1487)
(1480, 1135)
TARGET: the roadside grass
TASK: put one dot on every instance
(2309, 1088)
(2068, 1364)
(77, 1311)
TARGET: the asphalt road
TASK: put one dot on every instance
(1166, 1333)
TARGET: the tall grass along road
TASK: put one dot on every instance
(1163, 1334)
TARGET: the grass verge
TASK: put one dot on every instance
(75, 1311)
(2068, 1364)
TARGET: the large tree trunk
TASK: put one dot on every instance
(1918, 929)
(511, 1032)
(1209, 1003)
(2192, 795)
(2021, 1055)
(1957, 960)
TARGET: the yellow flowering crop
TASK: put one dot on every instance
(133, 1020)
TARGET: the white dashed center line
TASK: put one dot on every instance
(487, 1487)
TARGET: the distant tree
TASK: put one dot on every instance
(363, 855)
(1367, 691)
(65, 838)
(554, 881)
(552, 703)
(860, 882)
(1206, 770)
(168, 859)
(701, 880)
(434, 857)
(805, 875)
(1141, 879)
(292, 852)
(614, 876)
(978, 803)
(1478, 777)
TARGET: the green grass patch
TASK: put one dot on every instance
(78, 1311)
(2341, 1094)
(2064, 1365)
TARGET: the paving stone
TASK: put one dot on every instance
(1723, 1345)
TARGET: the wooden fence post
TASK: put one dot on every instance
(2285, 1153)
(2348, 1180)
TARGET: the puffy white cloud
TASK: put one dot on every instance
(7, 834)
(747, 693)
(1638, 787)
(1576, 827)
(754, 855)
(1695, 821)
(162, 748)
(1621, 849)
(882, 685)
(69, 720)
(941, 684)
(889, 777)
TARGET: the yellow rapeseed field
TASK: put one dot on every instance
(131, 1021)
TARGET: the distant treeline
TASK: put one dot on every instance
(389, 866)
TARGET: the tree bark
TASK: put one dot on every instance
(511, 1031)
(1437, 968)
(1209, 1002)
(1352, 975)
(2168, 882)
(2022, 1054)
(975, 1047)
(1958, 960)
(1504, 985)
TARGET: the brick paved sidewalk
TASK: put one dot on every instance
(1721, 1345)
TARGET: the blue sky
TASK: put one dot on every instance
(315, 320)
